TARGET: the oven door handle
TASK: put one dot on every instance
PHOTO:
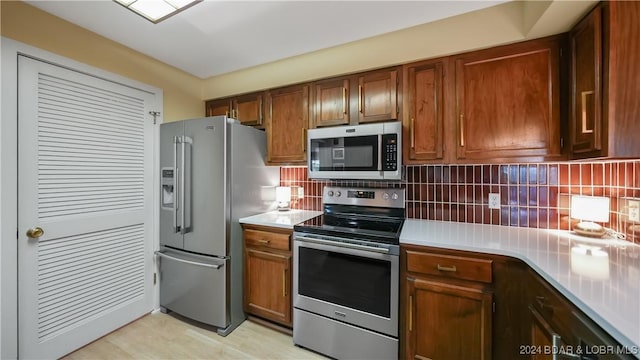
(344, 245)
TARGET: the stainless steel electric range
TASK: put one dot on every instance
(346, 274)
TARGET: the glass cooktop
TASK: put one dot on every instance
(356, 222)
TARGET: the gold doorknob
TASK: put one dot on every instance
(35, 232)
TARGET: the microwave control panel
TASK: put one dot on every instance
(390, 152)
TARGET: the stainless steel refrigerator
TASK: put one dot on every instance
(212, 174)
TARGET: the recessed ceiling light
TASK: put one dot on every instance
(157, 10)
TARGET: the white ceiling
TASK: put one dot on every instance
(217, 37)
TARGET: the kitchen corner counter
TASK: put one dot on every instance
(604, 283)
(280, 219)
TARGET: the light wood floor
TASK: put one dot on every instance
(162, 336)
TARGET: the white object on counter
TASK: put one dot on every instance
(280, 219)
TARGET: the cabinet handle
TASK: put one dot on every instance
(410, 313)
(263, 241)
(344, 100)
(360, 98)
(412, 133)
(541, 301)
(556, 343)
(284, 283)
(304, 142)
(461, 130)
(447, 268)
(260, 111)
(584, 112)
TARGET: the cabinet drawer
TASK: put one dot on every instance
(267, 239)
(458, 267)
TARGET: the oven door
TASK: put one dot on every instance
(359, 287)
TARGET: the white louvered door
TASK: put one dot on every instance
(85, 161)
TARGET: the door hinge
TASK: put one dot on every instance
(154, 278)
(494, 306)
(155, 114)
(561, 143)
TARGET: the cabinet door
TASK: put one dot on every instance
(331, 106)
(543, 337)
(508, 102)
(447, 321)
(287, 123)
(378, 96)
(424, 106)
(248, 109)
(622, 74)
(267, 285)
(586, 100)
(218, 107)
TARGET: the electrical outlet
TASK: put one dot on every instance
(634, 210)
(494, 201)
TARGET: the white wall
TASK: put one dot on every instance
(8, 200)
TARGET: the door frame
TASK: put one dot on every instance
(10, 49)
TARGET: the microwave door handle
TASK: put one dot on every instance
(380, 150)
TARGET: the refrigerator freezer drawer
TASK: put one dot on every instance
(194, 286)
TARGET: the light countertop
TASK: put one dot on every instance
(280, 219)
(604, 284)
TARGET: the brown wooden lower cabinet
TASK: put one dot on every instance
(447, 305)
(447, 321)
(559, 330)
(467, 305)
(267, 274)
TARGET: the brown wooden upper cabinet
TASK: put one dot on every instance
(218, 107)
(507, 102)
(586, 86)
(361, 98)
(248, 108)
(331, 102)
(622, 74)
(378, 96)
(423, 121)
(287, 120)
(605, 81)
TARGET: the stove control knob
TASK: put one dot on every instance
(385, 196)
(338, 193)
(330, 193)
(394, 196)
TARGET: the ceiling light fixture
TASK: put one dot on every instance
(157, 10)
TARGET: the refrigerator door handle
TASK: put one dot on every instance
(185, 214)
(177, 184)
(163, 255)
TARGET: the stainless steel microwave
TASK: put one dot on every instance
(367, 152)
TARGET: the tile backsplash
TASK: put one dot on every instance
(531, 195)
